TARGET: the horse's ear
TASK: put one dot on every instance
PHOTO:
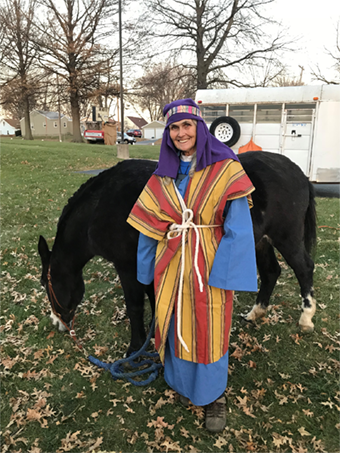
(43, 250)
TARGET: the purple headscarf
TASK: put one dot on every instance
(208, 148)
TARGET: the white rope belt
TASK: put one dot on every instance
(176, 230)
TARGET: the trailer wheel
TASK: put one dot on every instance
(226, 129)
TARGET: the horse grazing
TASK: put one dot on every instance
(94, 223)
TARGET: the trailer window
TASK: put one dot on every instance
(211, 112)
(242, 113)
(299, 113)
(269, 113)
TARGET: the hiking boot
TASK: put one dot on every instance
(184, 400)
(216, 415)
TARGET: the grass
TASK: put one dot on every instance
(283, 391)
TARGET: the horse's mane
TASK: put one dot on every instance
(91, 190)
(92, 185)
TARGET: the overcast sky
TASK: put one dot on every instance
(315, 23)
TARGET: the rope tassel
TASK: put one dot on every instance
(176, 230)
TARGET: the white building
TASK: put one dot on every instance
(8, 126)
(153, 130)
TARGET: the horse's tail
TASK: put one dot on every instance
(310, 221)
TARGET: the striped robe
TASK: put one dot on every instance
(205, 316)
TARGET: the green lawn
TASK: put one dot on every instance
(283, 392)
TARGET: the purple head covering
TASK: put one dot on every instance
(208, 148)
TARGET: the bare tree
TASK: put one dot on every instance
(69, 46)
(106, 86)
(11, 97)
(318, 74)
(213, 36)
(17, 60)
(285, 79)
(161, 84)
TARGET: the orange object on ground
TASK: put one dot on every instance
(250, 146)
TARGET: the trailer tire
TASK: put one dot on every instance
(226, 129)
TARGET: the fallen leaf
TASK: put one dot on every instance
(98, 442)
(184, 432)
(33, 414)
(303, 432)
(39, 354)
(157, 423)
(308, 412)
(220, 442)
(170, 445)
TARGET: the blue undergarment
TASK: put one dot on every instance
(234, 268)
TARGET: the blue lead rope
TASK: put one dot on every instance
(117, 368)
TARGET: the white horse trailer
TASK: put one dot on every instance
(303, 123)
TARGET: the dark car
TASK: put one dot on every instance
(134, 133)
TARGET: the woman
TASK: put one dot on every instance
(196, 243)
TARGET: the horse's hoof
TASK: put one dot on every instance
(245, 320)
(131, 351)
(307, 329)
(255, 313)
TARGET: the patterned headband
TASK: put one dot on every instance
(184, 109)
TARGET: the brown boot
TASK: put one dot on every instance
(216, 415)
(184, 400)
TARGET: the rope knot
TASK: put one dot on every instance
(177, 229)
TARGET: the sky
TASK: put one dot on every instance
(314, 25)
(314, 22)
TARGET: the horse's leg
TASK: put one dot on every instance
(303, 266)
(149, 289)
(269, 271)
(134, 299)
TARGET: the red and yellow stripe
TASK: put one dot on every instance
(206, 316)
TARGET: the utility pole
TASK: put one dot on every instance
(121, 73)
(59, 115)
(122, 148)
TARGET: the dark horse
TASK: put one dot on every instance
(94, 223)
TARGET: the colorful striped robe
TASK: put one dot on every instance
(205, 316)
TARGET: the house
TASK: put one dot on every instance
(134, 122)
(153, 130)
(47, 124)
(8, 126)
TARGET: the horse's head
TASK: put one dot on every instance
(65, 289)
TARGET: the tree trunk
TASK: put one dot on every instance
(202, 70)
(202, 83)
(75, 111)
(76, 120)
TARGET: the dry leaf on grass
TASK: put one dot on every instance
(220, 442)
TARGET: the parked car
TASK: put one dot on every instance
(94, 136)
(127, 139)
(134, 133)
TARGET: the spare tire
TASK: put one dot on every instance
(226, 129)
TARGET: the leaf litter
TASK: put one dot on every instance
(38, 359)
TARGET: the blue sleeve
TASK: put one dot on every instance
(146, 253)
(234, 266)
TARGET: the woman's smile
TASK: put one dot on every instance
(183, 135)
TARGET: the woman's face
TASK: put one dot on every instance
(183, 135)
